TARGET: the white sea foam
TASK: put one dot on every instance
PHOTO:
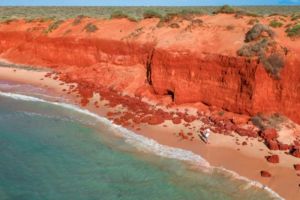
(251, 183)
(142, 142)
(149, 145)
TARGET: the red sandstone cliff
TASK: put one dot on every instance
(192, 63)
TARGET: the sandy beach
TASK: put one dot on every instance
(223, 151)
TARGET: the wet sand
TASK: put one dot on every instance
(222, 150)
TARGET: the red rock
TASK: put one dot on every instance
(244, 143)
(84, 101)
(296, 153)
(269, 134)
(265, 173)
(246, 132)
(183, 136)
(109, 114)
(297, 167)
(189, 118)
(176, 120)
(228, 126)
(273, 158)
(272, 145)
(283, 147)
(240, 119)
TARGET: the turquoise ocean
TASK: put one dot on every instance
(56, 151)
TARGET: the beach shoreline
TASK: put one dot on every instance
(246, 160)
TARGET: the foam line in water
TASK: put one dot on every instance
(146, 144)
(142, 142)
(250, 182)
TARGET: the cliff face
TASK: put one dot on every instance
(232, 83)
(163, 61)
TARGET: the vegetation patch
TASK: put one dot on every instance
(121, 15)
(273, 64)
(78, 20)
(90, 28)
(295, 17)
(256, 49)
(148, 14)
(72, 12)
(265, 49)
(8, 21)
(276, 24)
(272, 121)
(253, 21)
(256, 31)
(293, 31)
(239, 13)
(54, 26)
(225, 9)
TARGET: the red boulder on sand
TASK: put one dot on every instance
(265, 174)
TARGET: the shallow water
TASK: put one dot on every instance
(52, 152)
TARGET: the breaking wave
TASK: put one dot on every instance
(149, 145)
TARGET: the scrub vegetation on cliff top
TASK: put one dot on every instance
(293, 31)
(120, 15)
(78, 19)
(276, 24)
(259, 41)
(54, 25)
(90, 28)
(135, 12)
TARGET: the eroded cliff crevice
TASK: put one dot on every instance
(149, 66)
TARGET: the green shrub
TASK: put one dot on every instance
(8, 21)
(295, 17)
(258, 121)
(293, 31)
(121, 15)
(256, 31)
(273, 121)
(277, 14)
(78, 20)
(275, 24)
(54, 26)
(197, 22)
(151, 14)
(225, 9)
(256, 49)
(253, 21)
(90, 28)
(273, 64)
(118, 15)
